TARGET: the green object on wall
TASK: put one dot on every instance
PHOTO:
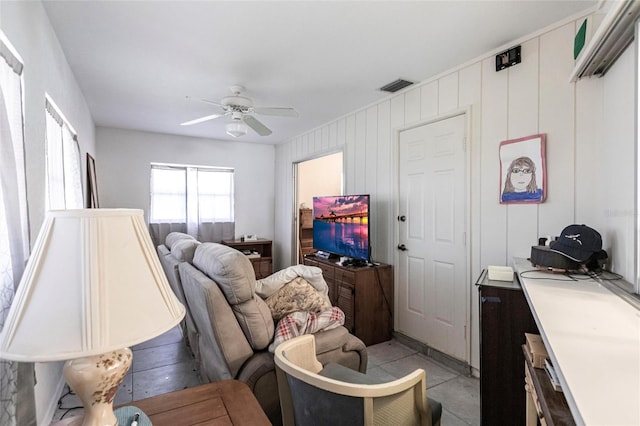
(578, 41)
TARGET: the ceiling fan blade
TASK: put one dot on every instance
(191, 98)
(211, 102)
(256, 125)
(201, 119)
(280, 112)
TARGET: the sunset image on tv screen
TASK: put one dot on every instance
(341, 225)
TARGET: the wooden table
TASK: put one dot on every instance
(228, 402)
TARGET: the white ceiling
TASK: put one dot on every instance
(137, 61)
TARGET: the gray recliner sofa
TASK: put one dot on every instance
(179, 248)
(235, 327)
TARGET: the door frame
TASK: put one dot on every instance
(466, 111)
(294, 198)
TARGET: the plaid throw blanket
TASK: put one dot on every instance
(299, 323)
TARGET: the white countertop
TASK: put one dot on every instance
(593, 340)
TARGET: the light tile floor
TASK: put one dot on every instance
(458, 393)
(164, 364)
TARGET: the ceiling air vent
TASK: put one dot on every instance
(394, 86)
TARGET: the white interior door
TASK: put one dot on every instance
(432, 267)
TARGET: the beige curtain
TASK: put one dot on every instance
(195, 200)
(159, 231)
(205, 232)
(64, 177)
(216, 232)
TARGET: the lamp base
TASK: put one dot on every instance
(95, 380)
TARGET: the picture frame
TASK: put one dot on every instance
(92, 184)
(523, 170)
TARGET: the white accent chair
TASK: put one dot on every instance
(334, 395)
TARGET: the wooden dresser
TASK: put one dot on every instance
(365, 294)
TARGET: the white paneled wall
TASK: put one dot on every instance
(616, 205)
(557, 118)
(532, 97)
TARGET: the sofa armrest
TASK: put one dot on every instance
(260, 375)
(339, 346)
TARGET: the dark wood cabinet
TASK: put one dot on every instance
(504, 318)
(262, 261)
(365, 295)
(305, 233)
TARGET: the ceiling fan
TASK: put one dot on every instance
(241, 108)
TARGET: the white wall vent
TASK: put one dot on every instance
(609, 40)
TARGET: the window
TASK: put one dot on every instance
(201, 194)
(64, 179)
(168, 195)
(215, 195)
(16, 394)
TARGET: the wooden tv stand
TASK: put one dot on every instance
(365, 294)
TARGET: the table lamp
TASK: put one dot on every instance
(92, 287)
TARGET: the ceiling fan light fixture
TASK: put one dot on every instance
(236, 129)
(241, 110)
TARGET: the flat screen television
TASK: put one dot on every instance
(341, 225)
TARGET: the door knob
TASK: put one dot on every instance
(402, 247)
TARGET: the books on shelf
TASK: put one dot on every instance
(536, 351)
(553, 377)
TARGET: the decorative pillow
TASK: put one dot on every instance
(296, 295)
(265, 287)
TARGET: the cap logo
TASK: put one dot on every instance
(574, 237)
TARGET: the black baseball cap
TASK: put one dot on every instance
(577, 242)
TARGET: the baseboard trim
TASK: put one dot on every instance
(455, 364)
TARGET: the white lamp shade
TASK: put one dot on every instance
(93, 284)
(236, 128)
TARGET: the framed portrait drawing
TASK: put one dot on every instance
(523, 173)
(92, 184)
